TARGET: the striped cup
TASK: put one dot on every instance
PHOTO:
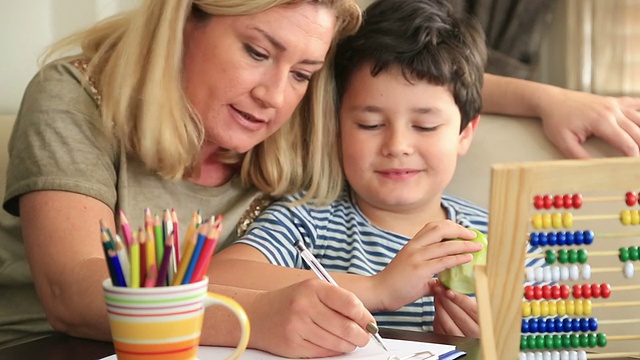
(165, 322)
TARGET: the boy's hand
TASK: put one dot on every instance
(408, 276)
(456, 314)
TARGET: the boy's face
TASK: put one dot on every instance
(400, 141)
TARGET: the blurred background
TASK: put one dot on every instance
(590, 45)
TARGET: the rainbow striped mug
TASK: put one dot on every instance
(164, 323)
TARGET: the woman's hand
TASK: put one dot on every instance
(456, 314)
(409, 276)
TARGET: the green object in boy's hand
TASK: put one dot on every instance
(461, 278)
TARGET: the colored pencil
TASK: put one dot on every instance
(189, 246)
(126, 230)
(123, 258)
(159, 236)
(142, 242)
(163, 270)
(117, 269)
(134, 251)
(106, 247)
(207, 251)
(202, 235)
(176, 236)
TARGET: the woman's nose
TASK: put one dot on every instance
(270, 92)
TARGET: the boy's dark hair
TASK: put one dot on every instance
(427, 41)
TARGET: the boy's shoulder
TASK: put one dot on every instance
(466, 213)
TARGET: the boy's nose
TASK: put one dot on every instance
(397, 143)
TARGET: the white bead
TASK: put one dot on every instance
(564, 355)
(628, 269)
(564, 273)
(530, 275)
(555, 355)
(523, 356)
(538, 355)
(582, 355)
(574, 272)
(586, 271)
(573, 355)
(546, 355)
(539, 276)
(531, 356)
(546, 274)
(555, 273)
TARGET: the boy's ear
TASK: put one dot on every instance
(466, 136)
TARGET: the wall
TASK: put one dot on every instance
(29, 26)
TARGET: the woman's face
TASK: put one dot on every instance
(245, 75)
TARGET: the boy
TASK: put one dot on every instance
(409, 86)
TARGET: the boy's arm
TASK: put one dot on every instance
(568, 117)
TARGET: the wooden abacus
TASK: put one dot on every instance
(516, 190)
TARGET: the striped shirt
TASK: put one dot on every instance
(343, 240)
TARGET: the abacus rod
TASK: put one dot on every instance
(602, 198)
(618, 234)
(596, 217)
(618, 321)
(622, 337)
(592, 253)
(612, 355)
(625, 287)
(610, 269)
(616, 304)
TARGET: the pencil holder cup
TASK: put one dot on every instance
(164, 323)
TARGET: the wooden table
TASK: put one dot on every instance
(62, 347)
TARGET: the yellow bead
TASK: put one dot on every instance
(536, 221)
(635, 217)
(625, 217)
(562, 308)
(544, 308)
(579, 308)
(567, 220)
(526, 309)
(546, 221)
(587, 308)
(571, 307)
(556, 220)
(553, 308)
(535, 308)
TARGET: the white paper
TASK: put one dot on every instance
(400, 348)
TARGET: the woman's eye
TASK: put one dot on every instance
(254, 53)
(301, 77)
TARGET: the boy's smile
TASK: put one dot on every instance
(400, 142)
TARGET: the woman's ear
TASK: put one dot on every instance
(466, 136)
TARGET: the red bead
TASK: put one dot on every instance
(547, 201)
(555, 291)
(528, 292)
(567, 201)
(546, 292)
(564, 291)
(577, 291)
(605, 290)
(537, 202)
(631, 198)
(557, 202)
(586, 291)
(537, 292)
(577, 201)
(595, 290)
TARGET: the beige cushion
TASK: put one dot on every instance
(6, 123)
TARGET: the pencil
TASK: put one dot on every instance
(135, 261)
(176, 236)
(168, 233)
(126, 230)
(207, 251)
(159, 236)
(189, 245)
(163, 270)
(202, 235)
(142, 245)
(117, 269)
(123, 258)
(106, 247)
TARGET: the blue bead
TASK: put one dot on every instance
(542, 239)
(588, 237)
(542, 325)
(533, 325)
(558, 323)
(551, 325)
(570, 238)
(578, 238)
(552, 238)
(525, 326)
(566, 325)
(575, 325)
(562, 239)
(534, 239)
(593, 324)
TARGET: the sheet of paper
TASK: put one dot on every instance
(400, 348)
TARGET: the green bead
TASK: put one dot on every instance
(531, 342)
(539, 342)
(601, 339)
(582, 256)
(557, 342)
(633, 253)
(562, 256)
(573, 256)
(592, 340)
(566, 341)
(575, 340)
(550, 257)
(584, 340)
(523, 343)
(548, 342)
(624, 254)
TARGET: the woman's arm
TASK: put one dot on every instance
(568, 117)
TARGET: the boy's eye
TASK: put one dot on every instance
(254, 53)
(369, 127)
(426, 128)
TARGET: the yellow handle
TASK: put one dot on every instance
(217, 299)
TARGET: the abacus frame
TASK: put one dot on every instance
(513, 186)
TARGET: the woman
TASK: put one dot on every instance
(155, 112)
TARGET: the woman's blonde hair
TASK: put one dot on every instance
(135, 59)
